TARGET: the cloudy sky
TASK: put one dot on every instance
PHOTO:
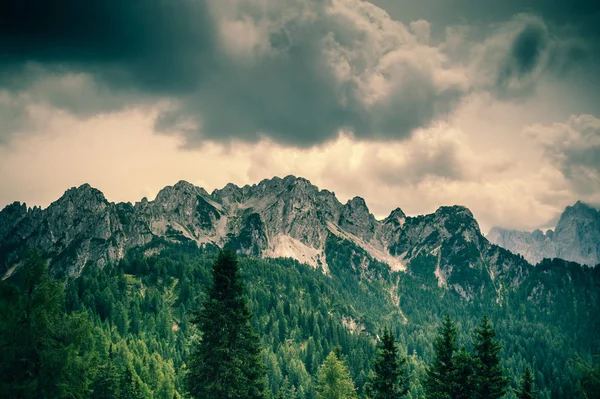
(417, 104)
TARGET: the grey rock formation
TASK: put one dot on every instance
(286, 217)
(576, 238)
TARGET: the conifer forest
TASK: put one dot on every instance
(189, 322)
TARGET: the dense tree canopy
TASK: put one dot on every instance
(129, 326)
(41, 345)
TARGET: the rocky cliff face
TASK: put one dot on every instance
(287, 217)
(576, 238)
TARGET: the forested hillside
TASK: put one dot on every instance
(135, 328)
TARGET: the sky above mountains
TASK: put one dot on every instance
(495, 106)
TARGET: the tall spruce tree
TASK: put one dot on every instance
(226, 363)
(440, 376)
(464, 375)
(526, 388)
(333, 380)
(490, 381)
(389, 379)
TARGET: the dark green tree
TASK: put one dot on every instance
(389, 380)
(333, 380)
(287, 391)
(526, 388)
(130, 387)
(464, 375)
(440, 375)
(226, 362)
(589, 384)
(106, 384)
(490, 381)
(41, 345)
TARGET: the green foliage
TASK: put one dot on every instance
(106, 384)
(441, 375)
(389, 379)
(526, 388)
(226, 363)
(130, 387)
(43, 348)
(490, 381)
(333, 380)
(142, 308)
(589, 384)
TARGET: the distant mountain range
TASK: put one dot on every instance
(576, 238)
(291, 217)
(286, 217)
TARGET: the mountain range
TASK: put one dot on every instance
(576, 238)
(318, 273)
(287, 217)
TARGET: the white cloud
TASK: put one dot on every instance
(573, 147)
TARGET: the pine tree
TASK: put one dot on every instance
(389, 379)
(334, 381)
(526, 389)
(490, 381)
(227, 362)
(130, 387)
(287, 390)
(464, 375)
(439, 381)
(106, 385)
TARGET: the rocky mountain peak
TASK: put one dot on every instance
(458, 218)
(85, 197)
(397, 217)
(579, 211)
(576, 238)
(10, 216)
(356, 219)
(180, 190)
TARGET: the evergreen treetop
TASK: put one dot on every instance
(439, 382)
(226, 363)
(334, 381)
(490, 381)
(526, 388)
(389, 380)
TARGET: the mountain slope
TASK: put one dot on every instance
(576, 238)
(287, 217)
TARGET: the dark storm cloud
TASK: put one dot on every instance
(523, 57)
(152, 45)
(527, 48)
(581, 15)
(289, 88)
(296, 72)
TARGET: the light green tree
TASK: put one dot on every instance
(334, 381)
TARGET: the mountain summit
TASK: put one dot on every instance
(287, 217)
(576, 238)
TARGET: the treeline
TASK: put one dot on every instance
(138, 329)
